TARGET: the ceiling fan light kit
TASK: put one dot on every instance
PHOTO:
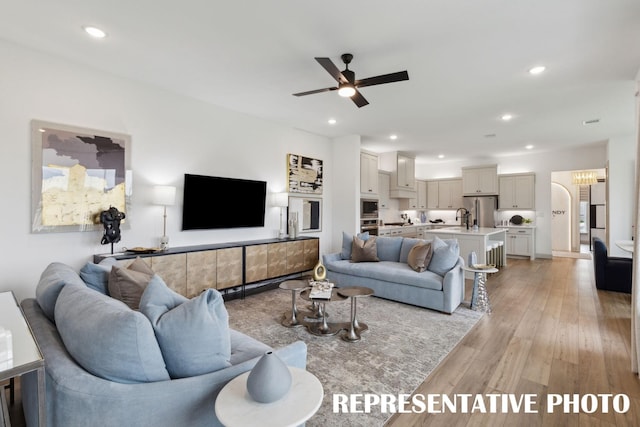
(348, 85)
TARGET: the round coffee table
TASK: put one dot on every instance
(290, 320)
(235, 408)
(355, 292)
(323, 327)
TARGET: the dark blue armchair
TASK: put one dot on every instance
(611, 273)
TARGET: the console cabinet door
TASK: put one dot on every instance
(201, 272)
(257, 263)
(311, 254)
(173, 270)
(277, 259)
(229, 267)
(295, 257)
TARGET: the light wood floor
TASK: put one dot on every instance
(551, 332)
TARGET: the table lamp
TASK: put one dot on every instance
(164, 195)
(281, 200)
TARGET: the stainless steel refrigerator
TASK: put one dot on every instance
(483, 209)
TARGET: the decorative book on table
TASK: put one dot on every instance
(321, 290)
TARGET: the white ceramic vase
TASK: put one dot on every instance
(269, 380)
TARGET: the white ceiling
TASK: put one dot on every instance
(467, 62)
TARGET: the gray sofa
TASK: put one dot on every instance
(440, 287)
(77, 397)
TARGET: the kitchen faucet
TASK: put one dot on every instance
(464, 218)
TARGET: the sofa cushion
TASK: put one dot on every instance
(407, 244)
(364, 250)
(127, 283)
(347, 242)
(420, 256)
(52, 280)
(107, 338)
(444, 258)
(193, 334)
(389, 248)
(96, 276)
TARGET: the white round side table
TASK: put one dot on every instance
(235, 408)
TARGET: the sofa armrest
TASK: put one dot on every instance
(453, 286)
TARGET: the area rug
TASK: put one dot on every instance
(402, 346)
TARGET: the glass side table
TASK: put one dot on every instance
(27, 356)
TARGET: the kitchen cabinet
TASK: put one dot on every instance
(420, 201)
(368, 174)
(517, 191)
(383, 189)
(520, 242)
(444, 194)
(479, 181)
(403, 169)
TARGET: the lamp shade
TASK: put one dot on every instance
(280, 200)
(164, 195)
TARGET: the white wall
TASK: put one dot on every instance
(171, 135)
(621, 195)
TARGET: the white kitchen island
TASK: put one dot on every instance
(473, 241)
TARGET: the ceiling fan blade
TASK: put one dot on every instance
(331, 68)
(311, 92)
(385, 78)
(359, 100)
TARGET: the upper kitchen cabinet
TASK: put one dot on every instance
(444, 194)
(517, 191)
(403, 171)
(479, 181)
(418, 203)
(368, 174)
(383, 189)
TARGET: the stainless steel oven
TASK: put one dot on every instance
(370, 225)
(369, 208)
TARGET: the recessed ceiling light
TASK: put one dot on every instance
(537, 69)
(332, 121)
(441, 156)
(95, 32)
(529, 147)
(394, 137)
(506, 117)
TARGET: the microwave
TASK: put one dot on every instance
(369, 208)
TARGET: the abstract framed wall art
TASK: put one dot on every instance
(304, 174)
(76, 174)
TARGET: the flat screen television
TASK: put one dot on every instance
(215, 202)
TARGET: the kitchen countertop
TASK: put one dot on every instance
(388, 227)
(482, 231)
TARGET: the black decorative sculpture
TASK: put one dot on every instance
(111, 220)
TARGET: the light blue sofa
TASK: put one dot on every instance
(76, 397)
(392, 278)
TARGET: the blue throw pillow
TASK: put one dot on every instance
(347, 241)
(107, 338)
(96, 276)
(443, 260)
(193, 334)
(52, 280)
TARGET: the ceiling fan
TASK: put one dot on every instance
(348, 85)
